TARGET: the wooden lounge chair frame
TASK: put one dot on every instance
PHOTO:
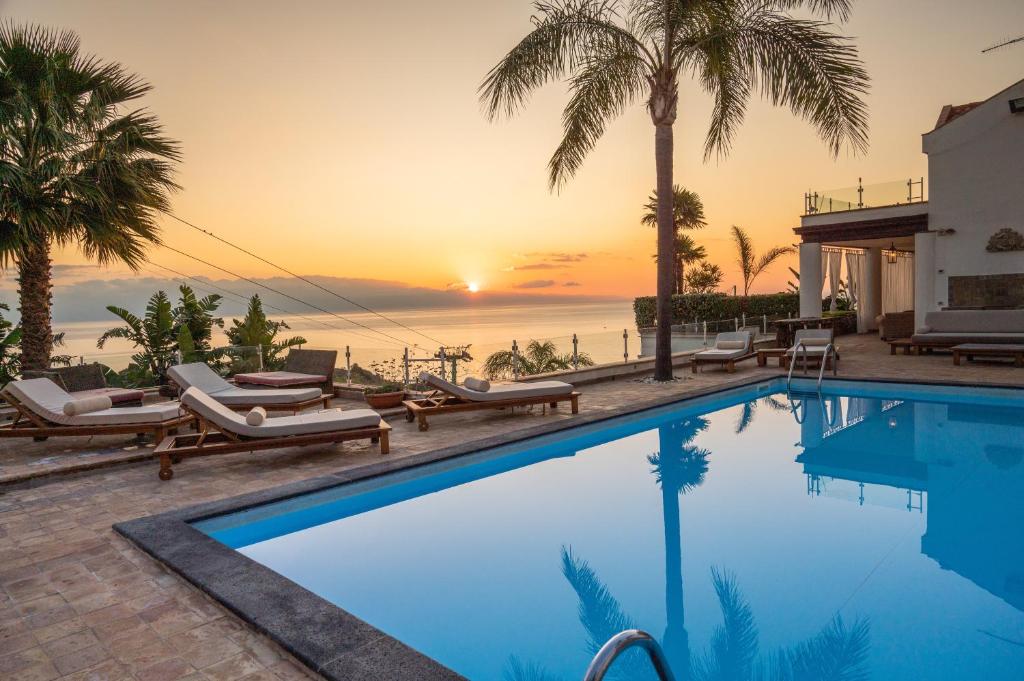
(728, 364)
(440, 402)
(41, 429)
(211, 439)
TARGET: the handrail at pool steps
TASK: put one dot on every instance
(622, 642)
(830, 351)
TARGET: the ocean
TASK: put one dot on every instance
(598, 326)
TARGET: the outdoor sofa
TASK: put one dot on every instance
(199, 375)
(223, 431)
(448, 397)
(946, 328)
(730, 347)
(47, 410)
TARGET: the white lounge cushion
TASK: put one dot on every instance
(499, 391)
(256, 416)
(478, 384)
(816, 342)
(84, 405)
(730, 345)
(718, 354)
(310, 423)
(46, 399)
(199, 375)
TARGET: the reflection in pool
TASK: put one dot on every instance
(871, 530)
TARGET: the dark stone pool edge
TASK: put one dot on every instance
(324, 637)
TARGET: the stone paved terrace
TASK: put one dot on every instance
(79, 602)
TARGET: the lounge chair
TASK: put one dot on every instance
(201, 376)
(810, 345)
(302, 369)
(448, 397)
(86, 380)
(223, 431)
(730, 347)
(41, 405)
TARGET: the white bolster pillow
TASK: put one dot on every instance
(730, 344)
(256, 416)
(85, 405)
(478, 384)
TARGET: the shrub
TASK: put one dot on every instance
(696, 307)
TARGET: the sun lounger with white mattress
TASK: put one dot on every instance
(223, 431)
(201, 376)
(47, 410)
(448, 397)
(730, 347)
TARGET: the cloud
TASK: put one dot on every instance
(457, 286)
(568, 257)
(572, 283)
(536, 283)
(537, 266)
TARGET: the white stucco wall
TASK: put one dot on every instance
(976, 187)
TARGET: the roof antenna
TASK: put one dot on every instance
(1005, 43)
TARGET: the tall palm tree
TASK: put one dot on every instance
(618, 52)
(679, 467)
(687, 213)
(751, 265)
(76, 167)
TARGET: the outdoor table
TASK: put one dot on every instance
(972, 350)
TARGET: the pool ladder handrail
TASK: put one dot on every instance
(830, 351)
(622, 642)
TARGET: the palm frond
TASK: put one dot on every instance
(606, 83)
(734, 644)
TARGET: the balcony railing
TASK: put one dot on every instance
(864, 196)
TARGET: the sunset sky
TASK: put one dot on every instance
(345, 139)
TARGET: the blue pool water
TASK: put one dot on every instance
(875, 528)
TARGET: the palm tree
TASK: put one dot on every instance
(255, 330)
(75, 167)
(153, 333)
(539, 358)
(679, 467)
(619, 52)
(687, 213)
(750, 264)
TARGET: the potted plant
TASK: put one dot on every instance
(391, 391)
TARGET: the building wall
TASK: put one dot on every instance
(976, 176)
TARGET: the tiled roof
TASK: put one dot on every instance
(953, 111)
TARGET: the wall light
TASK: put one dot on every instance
(891, 255)
(1017, 105)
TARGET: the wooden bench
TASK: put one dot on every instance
(1000, 350)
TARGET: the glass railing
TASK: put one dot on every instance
(861, 196)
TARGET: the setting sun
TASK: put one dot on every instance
(472, 286)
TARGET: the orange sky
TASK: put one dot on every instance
(345, 138)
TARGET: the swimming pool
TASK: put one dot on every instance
(876, 527)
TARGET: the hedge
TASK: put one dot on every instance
(698, 307)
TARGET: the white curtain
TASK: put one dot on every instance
(824, 270)
(856, 267)
(898, 284)
(835, 265)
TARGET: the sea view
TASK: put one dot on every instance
(598, 326)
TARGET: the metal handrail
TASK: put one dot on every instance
(619, 644)
(829, 350)
(792, 363)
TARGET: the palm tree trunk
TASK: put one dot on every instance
(666, 246)
(34, 292)
(676, 640)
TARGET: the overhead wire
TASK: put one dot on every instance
(224, 241)
(392, 339)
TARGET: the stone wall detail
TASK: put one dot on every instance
(987, 290)
(1005, 240)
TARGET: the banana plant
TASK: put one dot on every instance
(153, 333)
